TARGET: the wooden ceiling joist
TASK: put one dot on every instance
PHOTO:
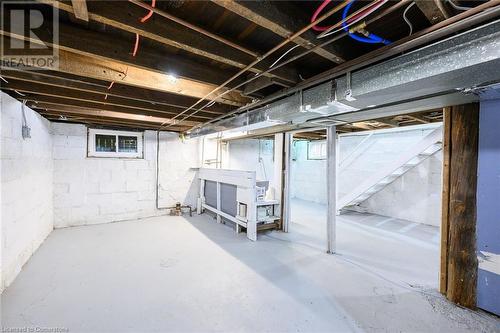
(418, 118)
(80, 9)
(56, 115)
(68, 111)
(266, 15)
(104, 46)
(112, 71)
(434, 12)
(171, 34)
(152, 98)
(46, 90)
(41, 101)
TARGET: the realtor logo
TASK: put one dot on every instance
(29, 36)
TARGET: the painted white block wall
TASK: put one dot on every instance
(416, 196)
(101, 190)
(26, 187)
(178, 170)
(251, 155)
(308, 177)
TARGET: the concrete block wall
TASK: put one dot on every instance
(100, 190)
(178, 170)
(416, 196)
(380, 149)
(308, 177)
(251, 155)
(26, 187)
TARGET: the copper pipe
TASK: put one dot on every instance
(422, 37)
(268, 53)
(193, 27)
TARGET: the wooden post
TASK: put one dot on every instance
(445, 201)
(459, 246)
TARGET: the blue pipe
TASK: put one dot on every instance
(371, 39)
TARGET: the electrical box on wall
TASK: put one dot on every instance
(26, 132)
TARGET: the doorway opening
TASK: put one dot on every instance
(388, 195)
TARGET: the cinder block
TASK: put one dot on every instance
(112, 187)
(97, 199)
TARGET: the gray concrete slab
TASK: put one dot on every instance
(176, 274)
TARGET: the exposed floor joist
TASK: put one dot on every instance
(170, 34)
(111, 71)
(72, 94)
(130, 95)
(80, 9)
(104, 46)
(266, 15)
(38, 101)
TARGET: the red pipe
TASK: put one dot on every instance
(316, 13)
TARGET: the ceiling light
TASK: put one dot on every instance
(171, 78)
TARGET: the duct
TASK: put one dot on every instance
(433, 76)
(412, 106)
(295, 109)
(457, 63)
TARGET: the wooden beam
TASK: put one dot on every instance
(388, 122)
(418, 118)
(56, 116)
(46, 90)
(261, 83)
(111, 71)
(80, 10)
(47, 102)
(108, 47)
(151, 97)
(98, 114)
(432, 11)
(461, 247)
(172, 35)
(268, 16)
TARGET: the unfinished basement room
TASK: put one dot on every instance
(250, 166)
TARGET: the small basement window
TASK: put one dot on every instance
(316, 150)
(110, 143)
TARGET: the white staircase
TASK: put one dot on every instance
(408, 159)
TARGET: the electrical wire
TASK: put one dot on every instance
(136, 45)
(316, 13)
(20, 94)
(148, 15)
(251, 65)
(284, 54)
(457, 7)
(406, 19)
(4, 80)
(109, 88)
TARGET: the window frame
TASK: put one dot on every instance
(91, 143)
(322, 142)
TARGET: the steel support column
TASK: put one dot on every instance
(331, 177)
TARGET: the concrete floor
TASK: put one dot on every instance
(401, 250)
(192, 274)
